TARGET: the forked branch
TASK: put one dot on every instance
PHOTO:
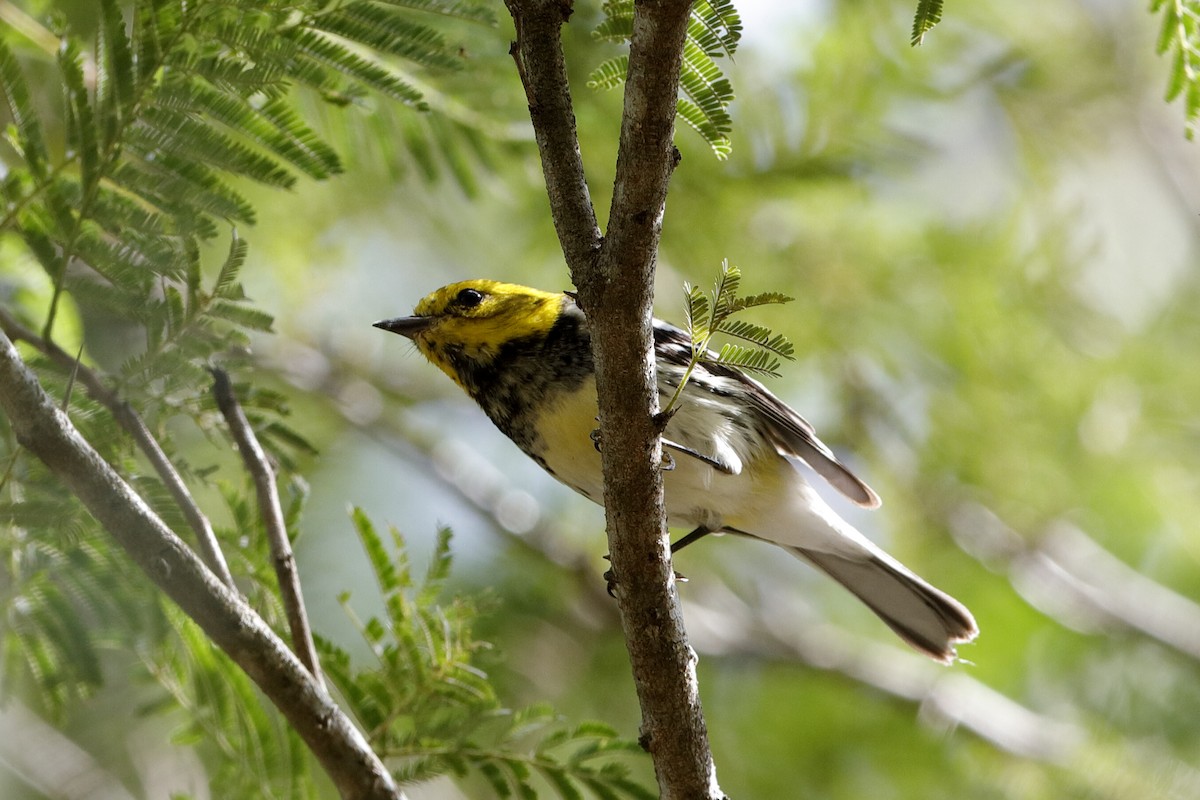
(615, 278)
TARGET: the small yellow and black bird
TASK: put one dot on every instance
(525, 356)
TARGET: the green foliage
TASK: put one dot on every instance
(250, 751)
(714, 30)
(428, 708)
(192, 97)
(165, 117)
(1179, 36)
(127, 156)
(929, 14)
(710, 315)
(62, 595)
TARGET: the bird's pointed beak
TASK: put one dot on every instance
(406, 326)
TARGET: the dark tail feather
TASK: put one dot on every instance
(928, 619)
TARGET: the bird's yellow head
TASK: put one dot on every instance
(467, 323)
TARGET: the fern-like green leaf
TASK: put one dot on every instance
(275, 126)
(459, 9)
(714, 29)
(242, 315)
(610, 74)
(617, 25)
(759, 336)
(717, 27)
(562, 784)
(299, 143)
(115, 84)
(186, 190)
(81, 125)
(169, 131)
(150, 22)
(763, 299)
(929, 14)
(439, 568)
(126, 262)
(28, 139)
(381, 563)
(322, 50)
(697, 120)
(227, 285)
(748, 359)
(697, 315)
(275, 434)
(1179, 37)
(710, 315)
(123, 215)
(725, 292)
(701, 80)
(388, 30)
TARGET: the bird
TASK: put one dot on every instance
(524, 355)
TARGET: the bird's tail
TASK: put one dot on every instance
(928, 619)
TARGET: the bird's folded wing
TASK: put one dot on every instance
(793, 435)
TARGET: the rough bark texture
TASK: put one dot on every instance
(46, 432)
(615, 277)
(543, 70)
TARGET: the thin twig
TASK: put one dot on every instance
(66, 401)
(255, 459)
(127, 418)
(221, 613)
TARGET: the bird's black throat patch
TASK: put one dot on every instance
(523, 374)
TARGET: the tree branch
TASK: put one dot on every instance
(265, 488)
(127, 418)
(543, 71)
(616, 291)
(46, 432)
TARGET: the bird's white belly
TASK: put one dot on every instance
(696, 493)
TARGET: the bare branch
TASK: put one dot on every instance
(543, 71)
(265, 488)
(616, 291)
(127, 418)
(620, 290)
(46, 432)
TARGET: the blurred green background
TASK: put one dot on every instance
(992, 241)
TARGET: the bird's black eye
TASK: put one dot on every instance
(468, 298)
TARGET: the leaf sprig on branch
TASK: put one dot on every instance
(428, 709)
(1180, 37)
(714, 31)
(710, 314)
(929, 14)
